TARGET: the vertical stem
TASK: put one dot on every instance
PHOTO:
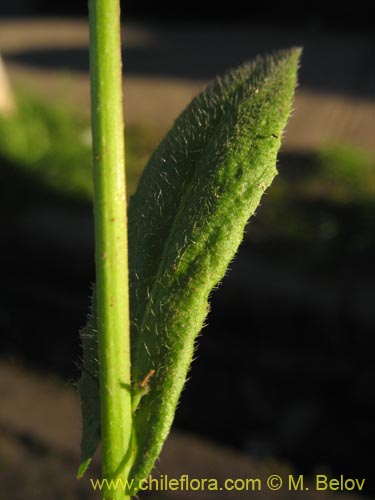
(110, 239)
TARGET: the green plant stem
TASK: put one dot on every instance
(110, 239)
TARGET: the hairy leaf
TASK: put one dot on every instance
(88, 387)
(186, 222)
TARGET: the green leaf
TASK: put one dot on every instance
(186, 222)
(88, 387)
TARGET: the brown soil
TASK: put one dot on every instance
(39, 449)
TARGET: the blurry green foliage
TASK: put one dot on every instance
(53, 146)
(349, 171)
(321, 210)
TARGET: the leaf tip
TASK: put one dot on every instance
(83, 468)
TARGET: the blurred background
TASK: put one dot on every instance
(284, 379)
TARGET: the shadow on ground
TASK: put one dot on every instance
(337, 63)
